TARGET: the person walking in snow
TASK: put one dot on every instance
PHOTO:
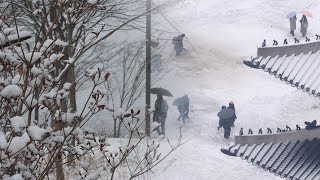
(221, 121)
(178, 44)
(293, 24)
(304, 25)
(160, 114)
(225, 123)
(233, 119)
(183, 108)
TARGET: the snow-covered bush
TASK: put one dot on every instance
(41, 128)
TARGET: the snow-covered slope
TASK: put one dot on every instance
(221, 33)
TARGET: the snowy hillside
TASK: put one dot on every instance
(221, 33)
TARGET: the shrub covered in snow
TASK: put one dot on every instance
(41, 129)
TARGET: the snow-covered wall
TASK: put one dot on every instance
(278, 137)
(289, 49)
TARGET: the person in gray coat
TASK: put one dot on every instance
(293, 25)
(304, 25)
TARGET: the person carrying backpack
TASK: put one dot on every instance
(183, 108)
(178, 44)
(160, 114)
(224, 121)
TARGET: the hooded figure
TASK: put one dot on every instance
(160, 114)
(184, 108)
(178, 44)
(293, 25)
(304, 25)
(231, 106)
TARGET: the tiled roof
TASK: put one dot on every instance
(301, 71)
(291, 160)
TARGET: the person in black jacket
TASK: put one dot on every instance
(160, 113)
(233, 119)
(225, 123)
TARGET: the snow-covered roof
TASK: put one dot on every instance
(300, 70)
(294, 154)
(291, 160)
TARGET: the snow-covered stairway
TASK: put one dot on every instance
(288, 155)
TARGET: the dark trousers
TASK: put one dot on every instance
(227, 131)
(292, 33)
(184, 115)
(162, 120)
(163, 128)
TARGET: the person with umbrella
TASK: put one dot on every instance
(161, 108)
(182, 104)
(304, 25)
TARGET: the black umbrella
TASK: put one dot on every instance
(226, 113)
(161, 91)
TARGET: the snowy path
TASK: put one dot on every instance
(223, 33)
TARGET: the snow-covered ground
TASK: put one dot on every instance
(221, 33)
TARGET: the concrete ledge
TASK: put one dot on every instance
(277, 137)
(289, 49)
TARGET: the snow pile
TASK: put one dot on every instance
(9, 57)
(22, 34)
(119, 113)
(55, 57)
(14, 177)
(92, 2)
(11, 91)
(67, 86)
(32, 57)
(18, 143)
(69, 117)
(60, 43)
(3, 141)
(92, 176)
(17, 80)
(31, 102)
(36, 71)
(36, 133)
(17, 123)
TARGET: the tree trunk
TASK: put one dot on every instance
(73, 105)
(58, 126)
(59, 169)
(36, 110)
(114, 127)
(119, 128)
(72, 92)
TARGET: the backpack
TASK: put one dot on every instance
(174, 40)
(164, 107)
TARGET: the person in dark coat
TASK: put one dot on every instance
(178, 44)
(304, 25)
(184, 108)
(160, 114)
(293, 24)
(225, 123)
(233, 119)
(221, 121)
